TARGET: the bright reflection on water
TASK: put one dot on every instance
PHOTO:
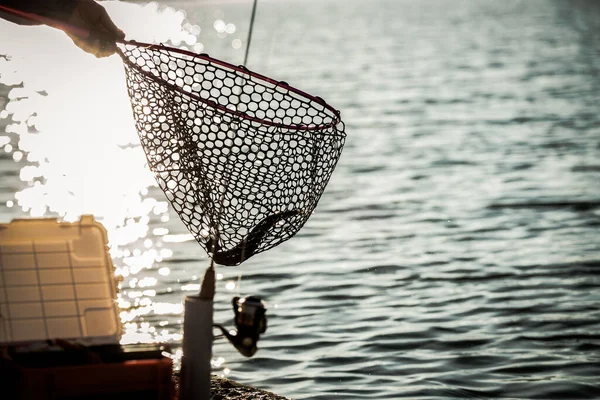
(70, 129)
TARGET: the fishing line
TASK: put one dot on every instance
(250, 32)
(246, 54)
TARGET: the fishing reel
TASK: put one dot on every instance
(250, 321)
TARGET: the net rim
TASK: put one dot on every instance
(336, 119)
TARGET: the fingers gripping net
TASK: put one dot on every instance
(243, 159)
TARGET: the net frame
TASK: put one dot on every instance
(242, 158)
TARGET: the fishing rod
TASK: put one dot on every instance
(249, 312)
(250, 30)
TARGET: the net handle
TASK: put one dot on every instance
(238, 69)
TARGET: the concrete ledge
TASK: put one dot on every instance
(225, 389)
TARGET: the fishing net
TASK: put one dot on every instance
(242, 158)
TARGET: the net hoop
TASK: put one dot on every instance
(335, 114)
(242, 158)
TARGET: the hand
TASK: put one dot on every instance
(91, 16)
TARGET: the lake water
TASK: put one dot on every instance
(455, 252)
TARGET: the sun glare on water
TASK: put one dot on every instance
(72, 116)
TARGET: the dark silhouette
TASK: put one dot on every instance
(86, 22)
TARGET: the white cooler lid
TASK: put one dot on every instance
(57, 281)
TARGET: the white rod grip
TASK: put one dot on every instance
(197, 348)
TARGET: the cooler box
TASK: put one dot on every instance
(57, 281)
(107, 372)
(59, 321)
